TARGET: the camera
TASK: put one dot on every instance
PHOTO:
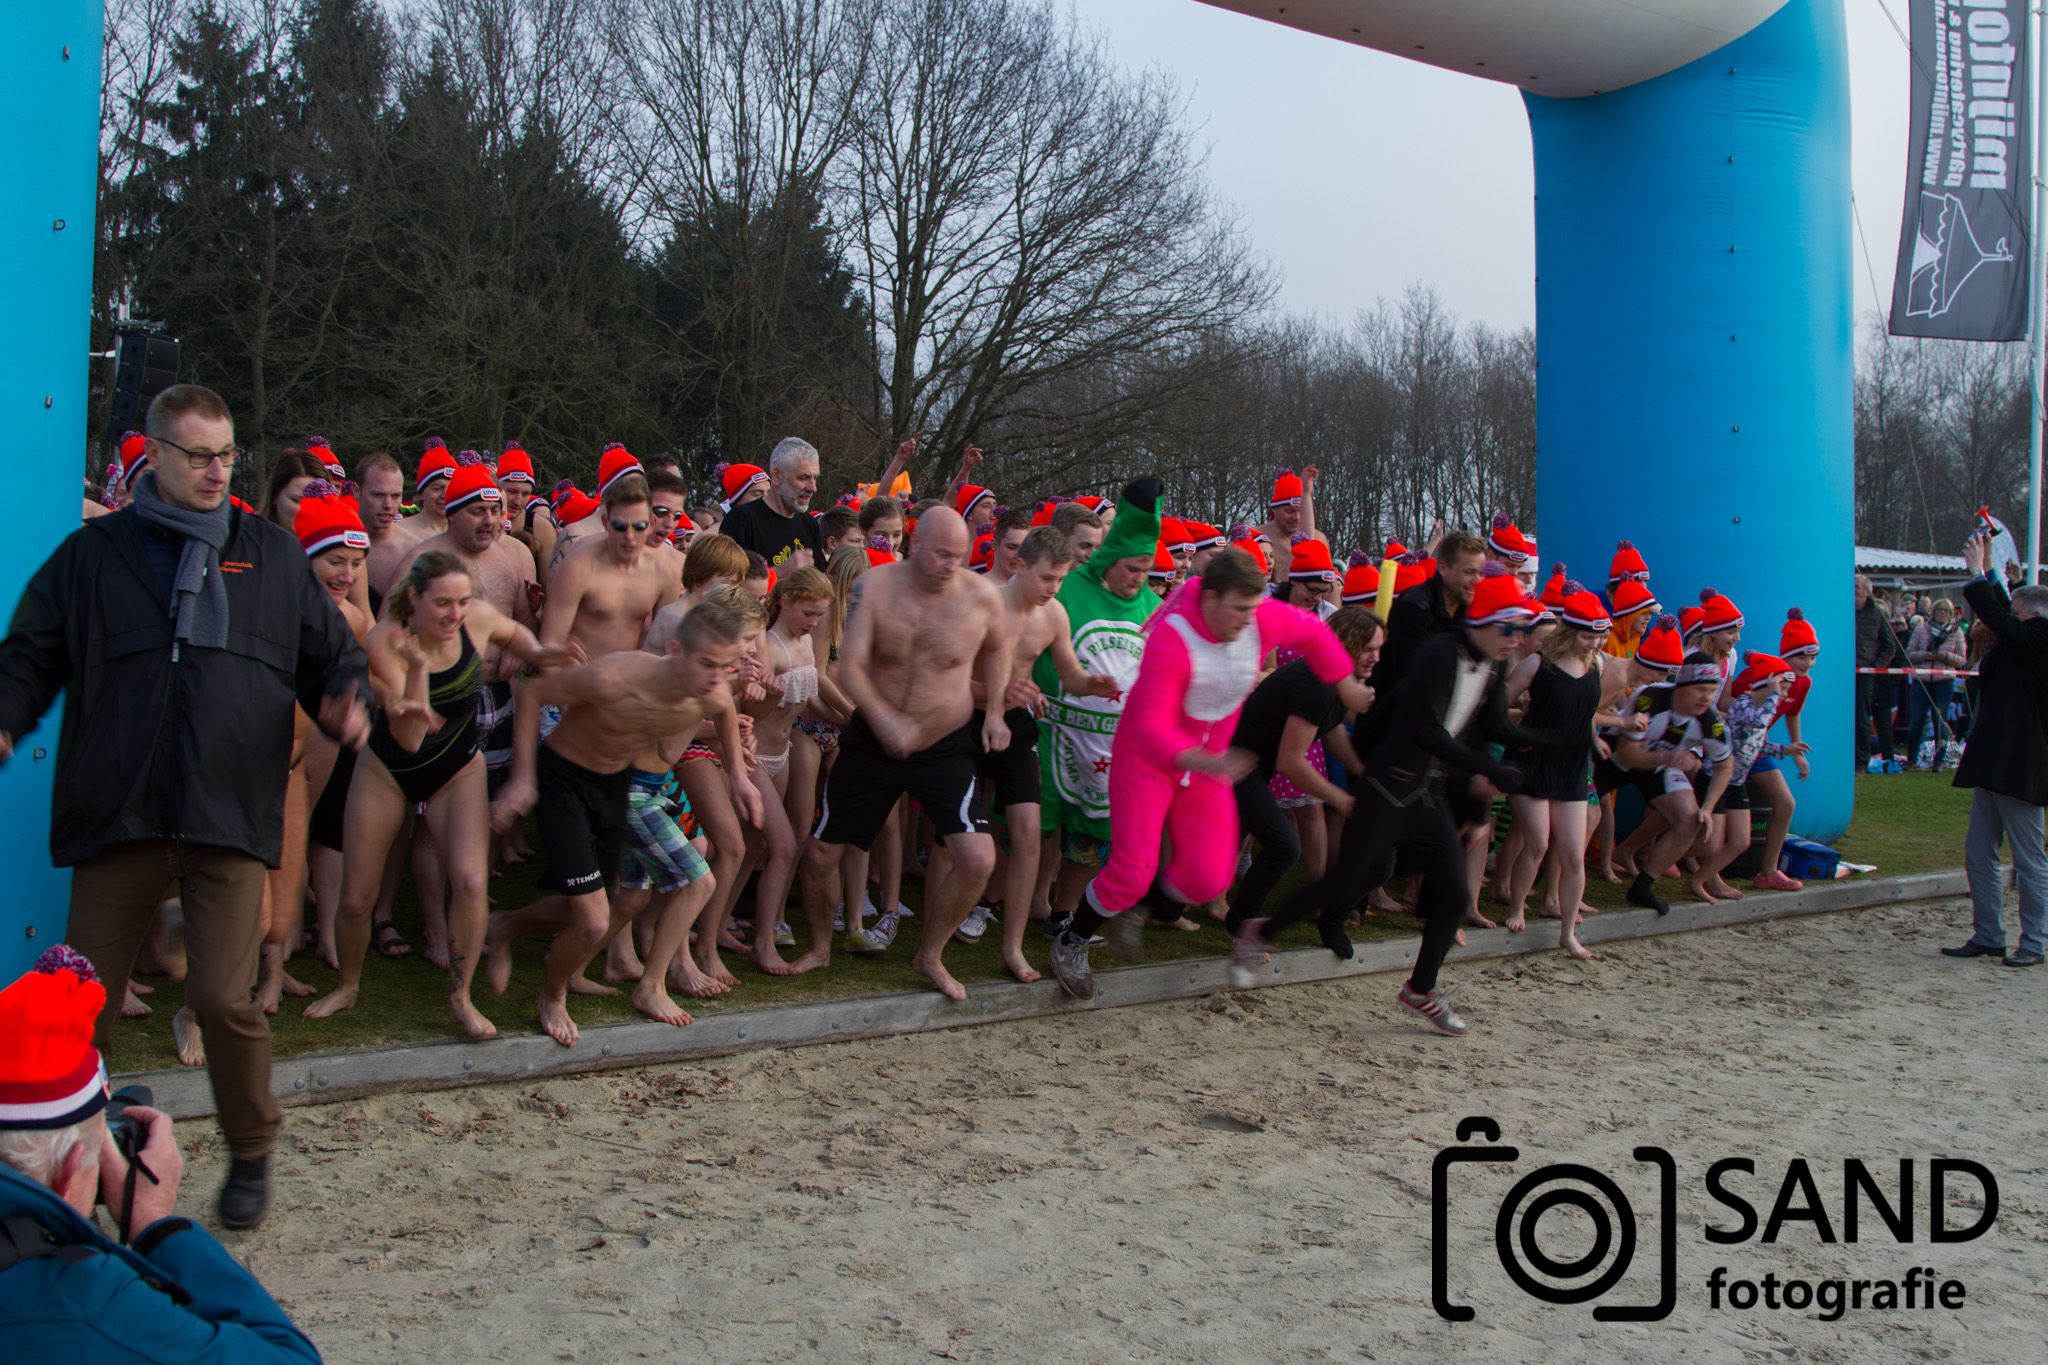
(1570, 1279)
(128, 1131)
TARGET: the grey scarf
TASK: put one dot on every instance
(198, 595)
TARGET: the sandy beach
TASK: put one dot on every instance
(1243, 1177)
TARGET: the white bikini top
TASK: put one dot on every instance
(799, 685)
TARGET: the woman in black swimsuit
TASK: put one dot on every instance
(426, 668)
(1563, 682)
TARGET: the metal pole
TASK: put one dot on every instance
(2035, 287)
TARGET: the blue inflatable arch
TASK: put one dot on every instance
(1692, 305)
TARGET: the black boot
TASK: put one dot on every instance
(246, 1196)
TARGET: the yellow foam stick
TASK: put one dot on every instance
(1383, 601)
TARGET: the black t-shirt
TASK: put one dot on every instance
(774, 537)
(1291, 690)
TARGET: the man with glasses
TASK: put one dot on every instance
(187, 632)
(669, 497)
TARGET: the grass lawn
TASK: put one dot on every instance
(1906, 823)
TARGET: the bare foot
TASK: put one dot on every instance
(470, 1019)
(936, 972)
(621, 963)
(1461, 938)
(1479, 921)
(1018, 967)
(809, 962)
(1585, 909)
(1382, 902)
(1517, 921)
(683, 976)
(1723, 891)
(730, 942)
(185, 1033)
(1699, 891)
(332, 1003)
(1570, 943)
(140, 987)
(132, 1006)
(498, 967)
(580, 984)
(713, 966)
(1549, 910)
(329, 956)
(651, 1000)
(556, 1023)
(1608, 874)
(294, 987)
(437, 953)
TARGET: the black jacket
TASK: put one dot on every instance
(160, 742)
(1877, 644)
(1412, 619)
(1406, 750)
(2008, 748)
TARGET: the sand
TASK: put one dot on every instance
(1244, 1177)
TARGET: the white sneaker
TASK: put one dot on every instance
(1433, 1009)
(785, 937)
(975, 925)
(839, 918)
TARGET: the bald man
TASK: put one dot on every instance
(918, 634)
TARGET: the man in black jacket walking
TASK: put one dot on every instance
(185, 631)
(2006, 764)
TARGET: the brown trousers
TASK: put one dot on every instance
(114, 897)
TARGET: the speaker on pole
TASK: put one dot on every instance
(145, 364)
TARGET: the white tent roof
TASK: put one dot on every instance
(1548, 47)
(1870, 559)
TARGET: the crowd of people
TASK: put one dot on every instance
(739, 724)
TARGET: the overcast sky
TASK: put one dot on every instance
(1315, 142)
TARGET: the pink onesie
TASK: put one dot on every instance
(1188, 693)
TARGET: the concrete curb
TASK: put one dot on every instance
(323, 1078)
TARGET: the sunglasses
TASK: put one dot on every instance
(1528, 628)
(665, 513)
(623, 526)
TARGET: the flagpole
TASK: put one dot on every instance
(2037, 253)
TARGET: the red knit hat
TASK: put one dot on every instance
(1798, 636)
(1690, 619)
(1177, 534)
(1256, 551)
(51, 1075)
(1555, 591)
(983, 557)
(1286, 490)
(1757, 668)
(879, 552)
(1661, 646)
(1205, 536)
(1627, 565)
(1309, 561)
(435, 463)
(1162, 562)
(1095, 504)
(1721, 614)
(317, 447)
(1395, 549)
(968, 494)
(471, 482)
(614, 464)
(736, 479)
(132, 455)
(1498, 600)
(515, 465)
(1507, 542)
(571, 504)
(1416, 568)
(1580, 609)
(1630, 596)
(328, 518)
(1361, 579)
(1042, 514)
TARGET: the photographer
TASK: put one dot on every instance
(67, 1290)
(2006, 763)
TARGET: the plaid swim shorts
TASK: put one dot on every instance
(659, 856)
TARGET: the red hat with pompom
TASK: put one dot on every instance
(1163, 565)
(1505, 540)
(1661, 645)
(51, 1075)
(1631, 595)
(1628, 564)
(1177, 534)
(1416, 568)
(515, 465)
(1286, 490)
(471, 482)
(1581, 610)
(317, 447)
(1361, 578)
(1757, 668)
(328, 518)
(435, 463)
(736, 479)
(1718, 613)
(132, 455)
(1798, 636)
(614, 464)
(1555, 591)
(1256, 551)
(1499, 599)
(1309, 561)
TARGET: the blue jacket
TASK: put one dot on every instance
(176, 1295)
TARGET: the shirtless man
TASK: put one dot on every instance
(1083, 529)
(1290, 511)
(1011, 528)
(380, 497)
(1036, 622)
(613, 710)
(616, 463)
(917, 634)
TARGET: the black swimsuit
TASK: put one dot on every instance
(1559, 705)
(444, 753)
